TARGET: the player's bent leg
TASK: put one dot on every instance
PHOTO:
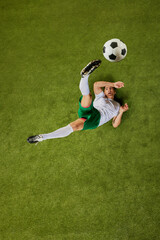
(78, 124)
(86, 100)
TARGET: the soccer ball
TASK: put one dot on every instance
(114, 50)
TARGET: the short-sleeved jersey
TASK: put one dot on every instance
(107, 107)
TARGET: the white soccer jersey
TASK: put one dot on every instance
(107, 107)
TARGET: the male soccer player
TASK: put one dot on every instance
(92, 114)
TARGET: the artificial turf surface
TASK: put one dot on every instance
(101, 184)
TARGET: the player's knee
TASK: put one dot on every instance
(77, 126)
(86, 100)
(80, 126)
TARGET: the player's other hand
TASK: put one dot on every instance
(124, 108)
(118, 84)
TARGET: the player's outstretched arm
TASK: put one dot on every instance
(117, 120)
(98, 85)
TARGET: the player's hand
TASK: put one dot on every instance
(124, 108)
(118, 84)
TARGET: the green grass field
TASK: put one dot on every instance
(101, 184)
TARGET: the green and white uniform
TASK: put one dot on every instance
(101, 110)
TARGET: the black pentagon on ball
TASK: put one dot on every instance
(123, 52)
(104, 49)
(112, 57)
(114, 44)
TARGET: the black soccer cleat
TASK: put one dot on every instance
(91, 66)
(35, 139)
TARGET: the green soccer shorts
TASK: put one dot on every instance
(91, 114)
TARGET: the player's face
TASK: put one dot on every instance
(109, 92)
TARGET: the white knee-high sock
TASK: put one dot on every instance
(61, 132)
(83, 86)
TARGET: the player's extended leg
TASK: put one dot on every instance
(84, 86)
(87, 96)
(60, 133)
